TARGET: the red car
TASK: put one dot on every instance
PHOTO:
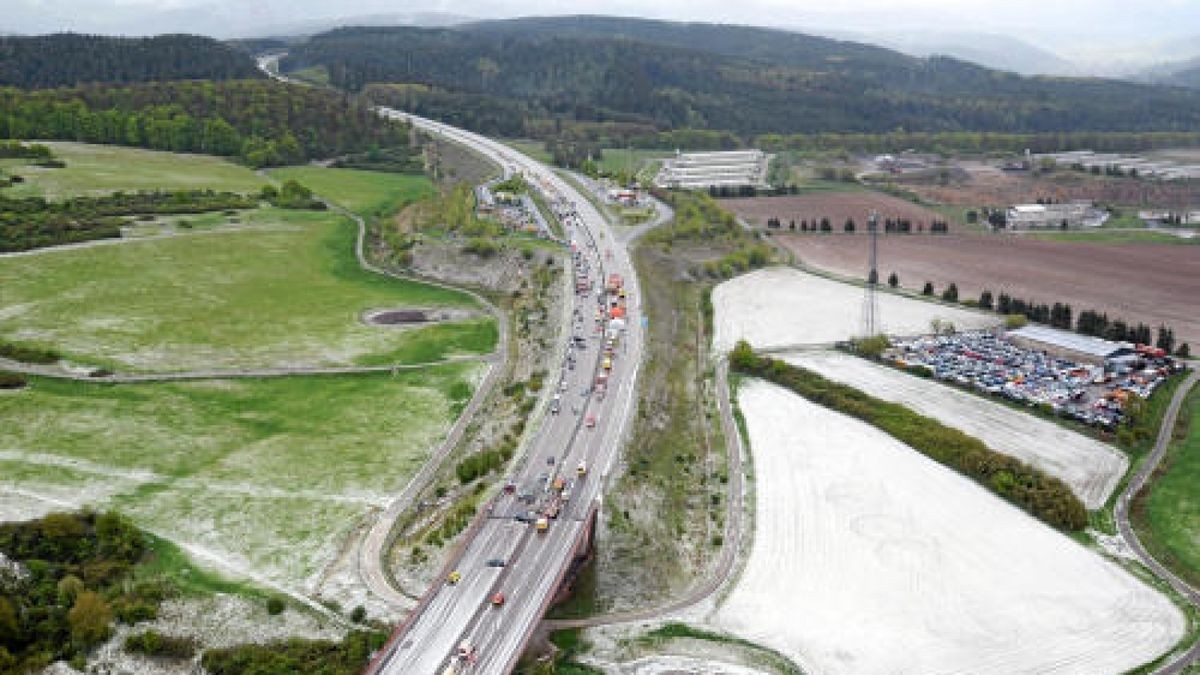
(497, 600)
(591, 421)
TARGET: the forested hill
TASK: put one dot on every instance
(535, 76)
(68, 59)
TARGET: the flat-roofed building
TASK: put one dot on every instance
(1067, 345)
(1040, 216)
(702, 170)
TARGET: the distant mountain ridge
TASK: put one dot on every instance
(67, 59)
(529, 72)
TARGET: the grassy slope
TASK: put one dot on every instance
(366, 193)
(285, 291)
(1167, 517)
(269, 471)
(101, 169)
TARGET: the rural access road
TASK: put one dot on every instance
(1192, 654)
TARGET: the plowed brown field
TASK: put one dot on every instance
(836, 206)
(1152, 283)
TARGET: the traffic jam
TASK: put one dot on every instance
(539, 502)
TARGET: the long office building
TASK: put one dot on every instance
(702, 170)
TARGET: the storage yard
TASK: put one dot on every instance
(1090, 393)
(1151, 283)
(1092, 469)
(899, 576)
(781, 307)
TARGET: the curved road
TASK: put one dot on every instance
(1191, 655)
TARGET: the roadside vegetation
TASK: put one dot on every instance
(1166, 513)
(666, 514)
(1045, 497)
(321, 657)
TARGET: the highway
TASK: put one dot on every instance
(534, 562)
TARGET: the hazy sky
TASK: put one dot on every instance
(1076, 28)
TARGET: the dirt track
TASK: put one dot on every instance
(1152, 283)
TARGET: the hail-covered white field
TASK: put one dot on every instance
(1092, 469)
(782, 307)
(871, 558)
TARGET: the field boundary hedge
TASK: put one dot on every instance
(1043, 496)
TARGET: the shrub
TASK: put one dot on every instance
(358, 614)
(153, 643)
(25, 354)
(274, 606)
(951, 293)
(1012, 321)
(11, 380)
(928, 289)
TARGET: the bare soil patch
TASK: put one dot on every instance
(986, 185)
(1151, 283)
(836, 206)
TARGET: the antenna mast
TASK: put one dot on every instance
(870, 308)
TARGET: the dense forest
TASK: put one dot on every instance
(68, 59)
(544, 77)
(261, 122)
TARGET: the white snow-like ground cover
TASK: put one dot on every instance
(871, 558)
(782, 307)
(1092, 469)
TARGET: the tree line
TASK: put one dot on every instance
(260, 122)
(850, 226)
(66, 59)
(32, 222)
(1041, 495)
(1060, 315)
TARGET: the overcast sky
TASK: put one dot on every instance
(1075, 28)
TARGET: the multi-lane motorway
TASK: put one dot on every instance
(504, 555)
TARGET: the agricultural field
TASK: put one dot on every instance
(282, 288)
(1151, 283)
(869, 557)
(1092, 469)
(366, 193)
(1167, 513)
(103, 169)
(264, 477)
(987, 185)
(837, 206)
(781, 307)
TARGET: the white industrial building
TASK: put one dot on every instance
(1040, 216)
(702, 170)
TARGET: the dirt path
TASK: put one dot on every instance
(1192, 654)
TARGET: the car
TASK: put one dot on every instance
(585, 391)
(498, 599)
(591, 421)
(510, 487)
(496, 562)
(454, 577)
(526, 517)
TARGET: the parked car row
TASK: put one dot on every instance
(991, 363)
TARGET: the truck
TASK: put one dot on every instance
(581, 470)
(542, 524)
(615, 283)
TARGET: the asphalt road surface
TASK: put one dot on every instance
(534, 562)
